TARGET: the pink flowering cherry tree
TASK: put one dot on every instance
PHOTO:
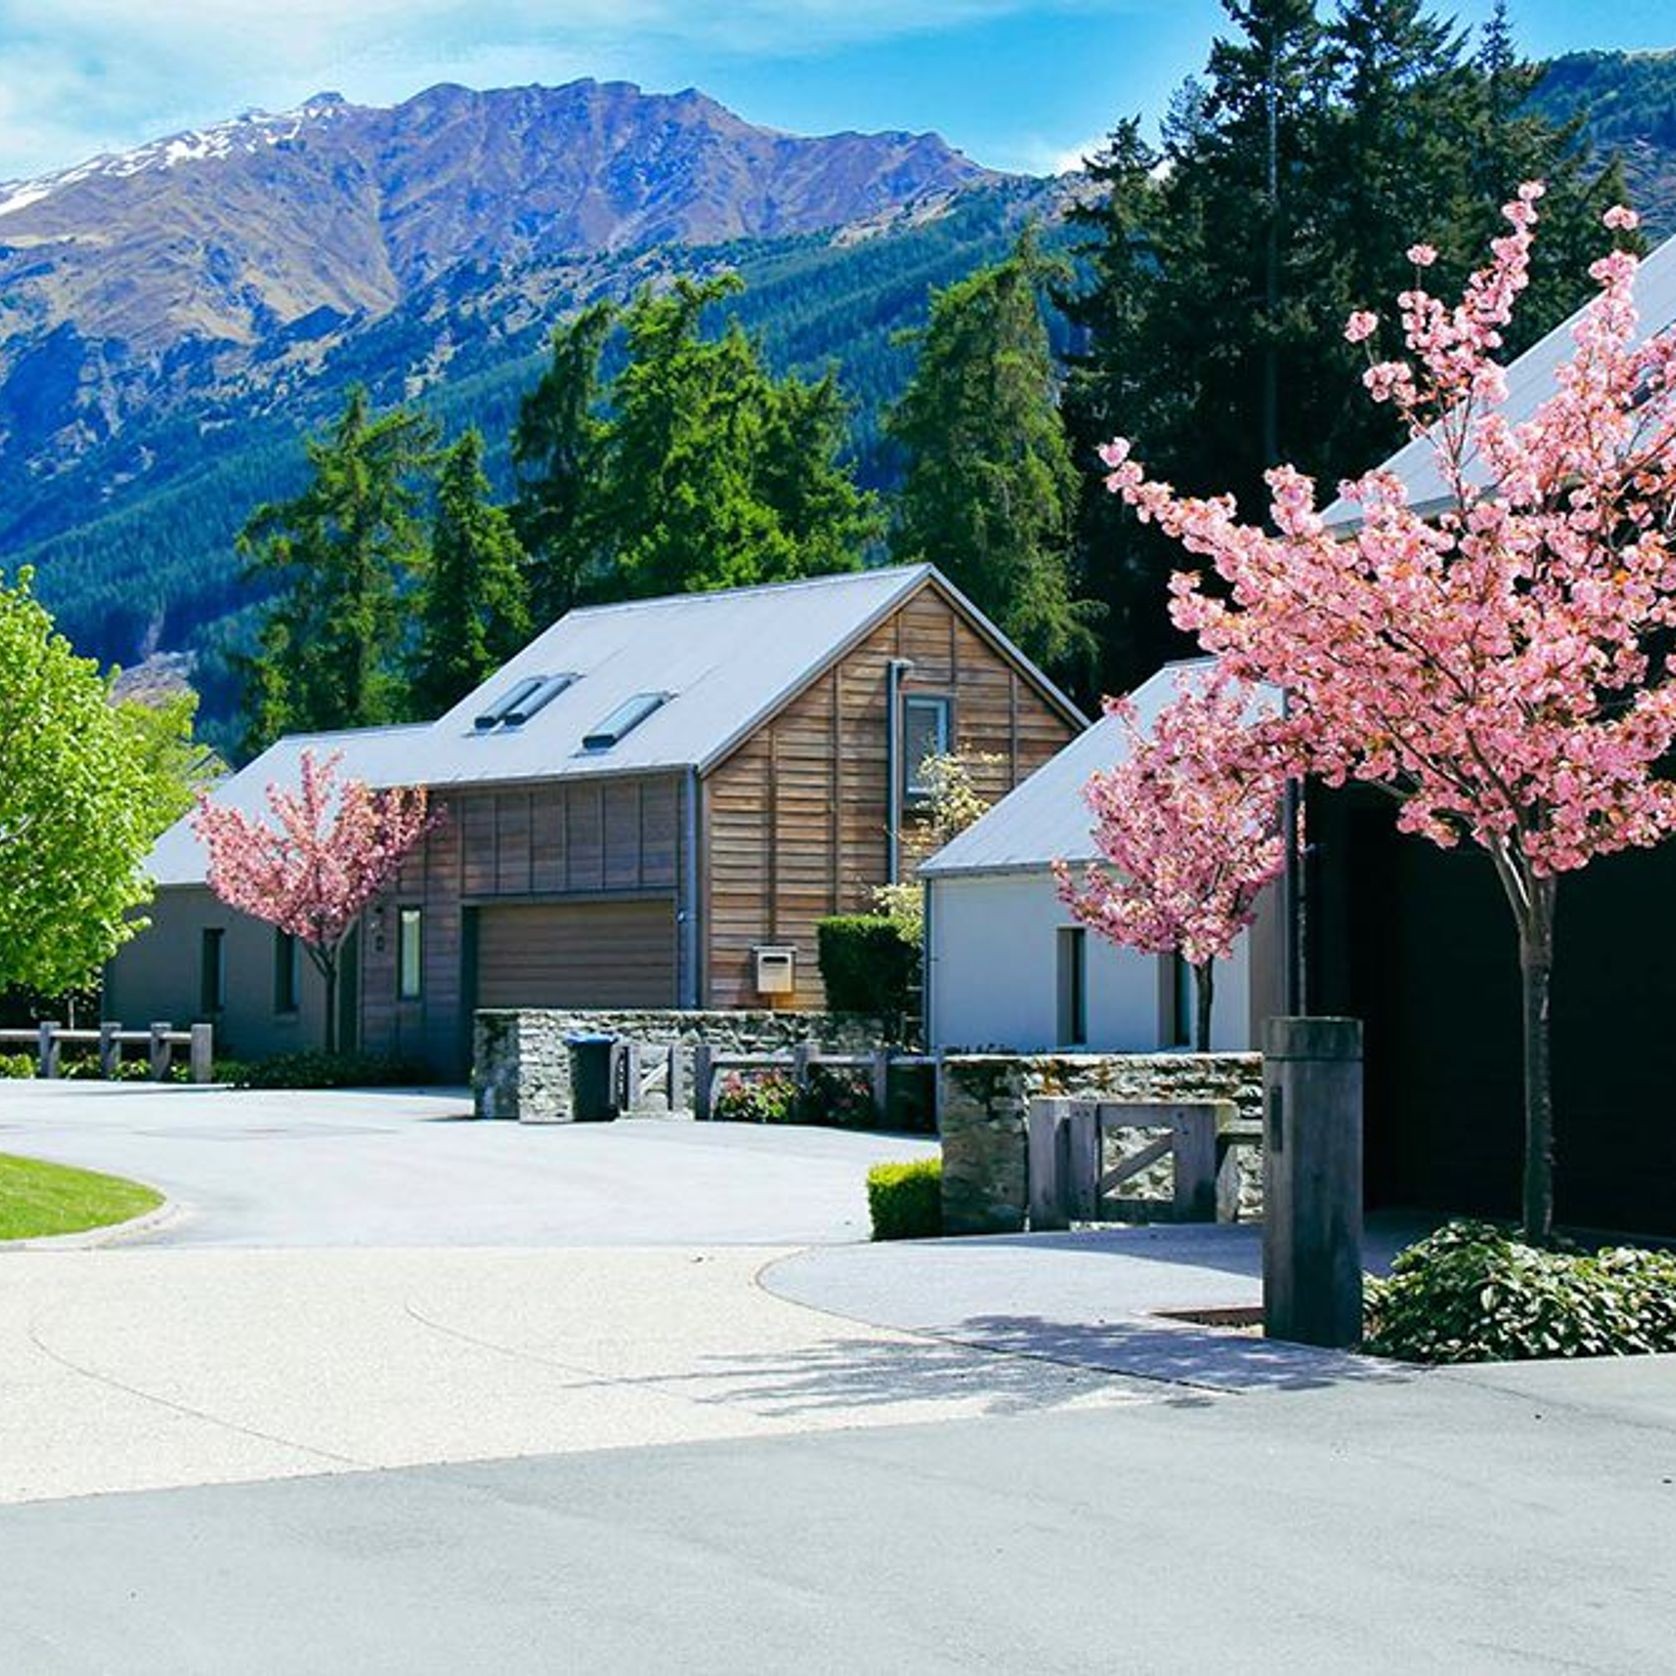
(1495, 665)
(1188, 823)
(330, 848)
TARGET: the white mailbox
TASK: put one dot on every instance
(776, 971)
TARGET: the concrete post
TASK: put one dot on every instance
(203, 1052)
(46, 1038)
(110, 1049)
(161, 1051)
(1312, 1180)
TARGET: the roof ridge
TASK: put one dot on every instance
(835, 578)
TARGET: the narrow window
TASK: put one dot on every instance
(285, 972)
(1180, 1033)
(1073, 986)
(212, 973)
(925, 733)
(410, 953)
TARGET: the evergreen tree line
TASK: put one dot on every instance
(1206, 296)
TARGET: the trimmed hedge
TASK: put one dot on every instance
(906, 1200)
(866, 966)
(324, 1070)
(1474, 1292)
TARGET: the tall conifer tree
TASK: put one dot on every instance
(473, 613)
(990, 492)
(329, 650)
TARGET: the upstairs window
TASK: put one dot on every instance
(623, 720)
(925, 733)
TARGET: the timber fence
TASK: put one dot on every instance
(50, 1038)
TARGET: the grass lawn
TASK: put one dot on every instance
(38, 1198)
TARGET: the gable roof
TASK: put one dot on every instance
(1530, 382)
(726, 661)
(1045, 819)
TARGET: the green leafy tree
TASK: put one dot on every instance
(175, 764)
(79, 806)
(558, 448)
(329, 650)
(472, 610)
(990, 491)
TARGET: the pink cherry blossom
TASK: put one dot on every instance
(1422, 255)
(1188, 825)
(1498, 664)
(1360, 326)
(1621, 218)
(331, 848)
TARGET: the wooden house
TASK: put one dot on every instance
(652, 805)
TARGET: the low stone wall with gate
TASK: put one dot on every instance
(984, 1103)
(521, 1067)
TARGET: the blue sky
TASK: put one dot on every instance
(1022, 86)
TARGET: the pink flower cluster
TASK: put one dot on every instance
(1189, 822)
(1497, 663)
(330, 850)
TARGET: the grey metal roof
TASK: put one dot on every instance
(726, 660)
(1530, 382)
(1045, 819)
(378, 755)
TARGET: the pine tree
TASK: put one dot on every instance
(558, 448)
(990, 491)
(329, 650)
(473, 613)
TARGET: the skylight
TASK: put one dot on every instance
(514, 708)
(519, 712)
(624, 719)
(492, 716)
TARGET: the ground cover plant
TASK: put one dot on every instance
(906, 1200)
(1474, 1292)
(38, 1199)
(770, 1097)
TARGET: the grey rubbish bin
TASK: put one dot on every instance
(592, 1097)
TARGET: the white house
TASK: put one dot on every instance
(1007, 966)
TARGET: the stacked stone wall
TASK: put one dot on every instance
(984, 1104)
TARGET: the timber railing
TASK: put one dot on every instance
(1070, 1181)
(799, 1062)
(49, 1039)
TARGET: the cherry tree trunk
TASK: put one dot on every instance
(1536, 971)
(1204, 989)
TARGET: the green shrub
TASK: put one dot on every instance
(906, 1200)
(838, 1099)
(1473, 1292)
(17, 1064)
(313, 1069)
(767, 1097)
(866, 966)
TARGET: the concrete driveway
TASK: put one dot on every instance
(400, 1168)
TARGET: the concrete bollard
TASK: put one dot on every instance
(1312, 1180)
(203, 1052)
(46, 1048)
(161, 1052)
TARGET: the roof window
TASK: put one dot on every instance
(492, 716)
(623, 720)
(514, 708)
(519, 712)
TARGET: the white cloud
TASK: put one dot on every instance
(88, 75)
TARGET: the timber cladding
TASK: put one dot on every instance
(796, 819)
(612, 842)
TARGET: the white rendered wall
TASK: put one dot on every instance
(995, 974)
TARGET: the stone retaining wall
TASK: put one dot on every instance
(521, 1067)
(984, 1102)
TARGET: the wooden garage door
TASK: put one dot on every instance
(579, 954)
